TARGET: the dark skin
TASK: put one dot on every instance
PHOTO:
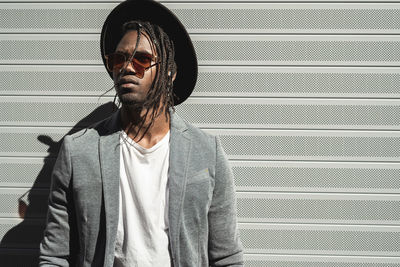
(132, 89)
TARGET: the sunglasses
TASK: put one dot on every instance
(140, 62)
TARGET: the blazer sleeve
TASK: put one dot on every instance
(224, 245)
(58, 241)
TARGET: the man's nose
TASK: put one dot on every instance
(129, 67)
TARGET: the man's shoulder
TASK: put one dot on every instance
(91, 132)
(200, 133)
(201, 137)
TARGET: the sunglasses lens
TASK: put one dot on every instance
(115, 61)
(140, 62)
(143, 59)
(139, 69)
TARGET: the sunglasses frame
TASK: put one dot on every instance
(134, 64)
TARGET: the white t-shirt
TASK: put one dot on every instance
(142, 237)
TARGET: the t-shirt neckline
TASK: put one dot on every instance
(125, 138)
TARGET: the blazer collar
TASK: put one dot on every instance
(109, 150)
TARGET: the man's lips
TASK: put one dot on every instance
(127, 81)
(128, 85)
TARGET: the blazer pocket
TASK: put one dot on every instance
(198, 177)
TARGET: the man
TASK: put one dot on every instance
(143, 187)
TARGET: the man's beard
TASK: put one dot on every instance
(133, 106)
(132, 103)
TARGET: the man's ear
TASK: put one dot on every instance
(173, 77)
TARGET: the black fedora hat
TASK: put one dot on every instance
(156, 13)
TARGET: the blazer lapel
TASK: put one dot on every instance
(109, 150)
(180, 145)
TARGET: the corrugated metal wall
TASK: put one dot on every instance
(305, 97)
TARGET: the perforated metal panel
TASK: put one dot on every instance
(30, 141)
(231, 81)
(319, 208)
(292, 113)
(216, 113)
(251, 176)
(54, 18)
(216, 49)
(221, 17)
(12, 200)
(257, 207)
(214, 81)
(304, 95)
(320, 239)
(297, 50)
(303, 176)
(49, 49)
(54, 80)
(277, 17)
(45, 111)
(25, 172)
(310, 145)
(254, 260)
(254, 176)
(244, 144)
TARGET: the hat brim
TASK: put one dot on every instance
(156, 13)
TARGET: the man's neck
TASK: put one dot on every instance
(130, 124)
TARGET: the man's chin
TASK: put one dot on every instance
(130, 102)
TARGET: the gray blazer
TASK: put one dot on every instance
(82, 216)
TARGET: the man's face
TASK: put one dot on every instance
(130, 88)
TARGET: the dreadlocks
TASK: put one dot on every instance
(161, 89)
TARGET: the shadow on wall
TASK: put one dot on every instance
(20, 245)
